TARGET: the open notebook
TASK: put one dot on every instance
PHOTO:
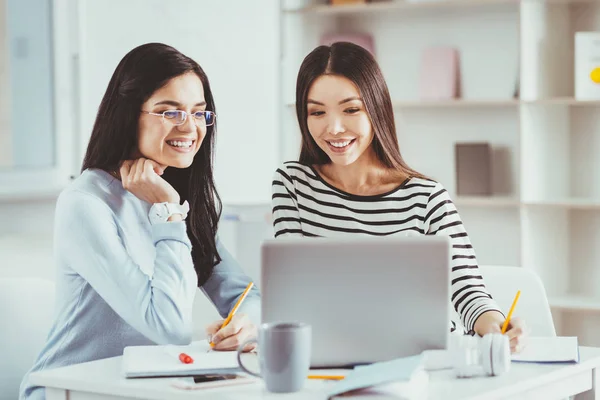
(561, 349)
(155, 361)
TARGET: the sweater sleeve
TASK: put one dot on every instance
(286, 217)
(227, 283)
(88, 240)
(469, 295)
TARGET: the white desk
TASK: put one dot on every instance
(101, 380)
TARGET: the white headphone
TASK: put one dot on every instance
(471, 356)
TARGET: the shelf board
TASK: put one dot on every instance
(383, 6)
(574, 303)
(474, 103)
(573, 203)
(484, 201)
(397, 5)
(449, 103)
(241, 211)
(567, 101)
(456, 103)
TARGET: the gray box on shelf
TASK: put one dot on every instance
(473, 169)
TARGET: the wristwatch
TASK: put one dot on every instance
(161, 212)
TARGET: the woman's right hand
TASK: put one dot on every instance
(142, 177)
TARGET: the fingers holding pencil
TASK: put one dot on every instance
(239, 329)
(235, 329)
(518, 334)
(515, 329)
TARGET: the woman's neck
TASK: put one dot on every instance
(365, 177)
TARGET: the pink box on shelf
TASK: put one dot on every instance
(440, 75)
(362, 39)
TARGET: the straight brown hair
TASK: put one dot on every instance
(359, 66)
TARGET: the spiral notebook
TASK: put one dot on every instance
(157, 361)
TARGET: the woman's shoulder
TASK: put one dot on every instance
(91, 189)
(422, 183)
(435, 191)
(294, 169)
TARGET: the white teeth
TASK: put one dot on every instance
(340, 144)
(177, 143)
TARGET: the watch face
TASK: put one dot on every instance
(158, 213)
(163, 211)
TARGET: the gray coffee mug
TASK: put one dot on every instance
(284, 355)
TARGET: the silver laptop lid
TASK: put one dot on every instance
(367, 299)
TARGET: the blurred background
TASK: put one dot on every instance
(496, 99)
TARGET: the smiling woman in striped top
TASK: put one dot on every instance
(352, 180)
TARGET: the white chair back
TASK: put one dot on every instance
(26, 314)
(503, 282)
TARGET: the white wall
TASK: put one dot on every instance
(238, 50)
(31, 71)
(5, 142)
(237, 44)
(26, 238)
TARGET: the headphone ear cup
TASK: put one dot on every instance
(485, 349)
(501, 354)
(495, 354)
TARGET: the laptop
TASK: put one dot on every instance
(367, 299)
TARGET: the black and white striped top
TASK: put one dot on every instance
(304, 204)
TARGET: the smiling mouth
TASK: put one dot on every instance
(181, 144)
(340, 146)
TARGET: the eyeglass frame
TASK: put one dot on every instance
(184, 113)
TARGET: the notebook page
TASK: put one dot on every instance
(549, 349)
(156, 360)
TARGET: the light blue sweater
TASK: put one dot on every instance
(122, 281)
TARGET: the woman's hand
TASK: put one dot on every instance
(239, 329)
(142, 177)
(492, 321)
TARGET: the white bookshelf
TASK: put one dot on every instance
(544, 213)
(385, 6)
(575, 303)
(567, 101)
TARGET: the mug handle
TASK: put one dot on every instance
(239, 353)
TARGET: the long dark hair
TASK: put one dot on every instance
(140, 73)
(358, 65)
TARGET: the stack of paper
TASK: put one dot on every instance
(563, 349)
(155, 361)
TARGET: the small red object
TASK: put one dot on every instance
(184, 358)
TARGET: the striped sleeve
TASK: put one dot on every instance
(286, 218)
(469, 295)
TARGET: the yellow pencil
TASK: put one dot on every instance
(512, 308)
(234, 309)
(327, 377)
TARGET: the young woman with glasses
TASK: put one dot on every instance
(352, 180)
(136, 232)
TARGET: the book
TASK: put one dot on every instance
(473, 169)
(440, 74)
(158, 361)
(561, 349)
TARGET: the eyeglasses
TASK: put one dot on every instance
(178, 117)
